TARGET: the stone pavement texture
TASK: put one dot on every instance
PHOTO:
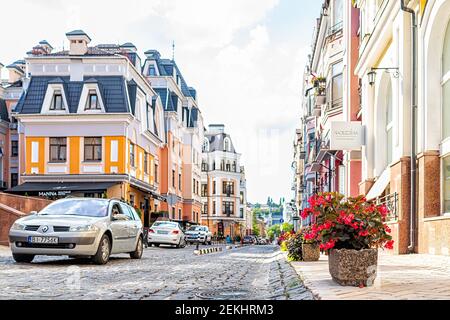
(400, 277)
(248, 273)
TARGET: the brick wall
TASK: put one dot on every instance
(14, 207)
(23, 204)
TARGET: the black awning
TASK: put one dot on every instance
(60, 188)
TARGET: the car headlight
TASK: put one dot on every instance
(88, 227)
(18, 226)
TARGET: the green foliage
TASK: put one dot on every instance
(294, 247)
(287, 227)
(283, 246)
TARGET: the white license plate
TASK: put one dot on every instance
(43, 240)
(163, 232)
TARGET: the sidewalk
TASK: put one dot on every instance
(400, 277)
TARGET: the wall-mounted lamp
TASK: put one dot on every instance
(372, 75)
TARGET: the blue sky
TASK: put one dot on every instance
(244, 57)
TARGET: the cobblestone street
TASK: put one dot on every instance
(255, 272)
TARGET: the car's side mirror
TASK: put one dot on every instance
(120, 217)
(33, 212)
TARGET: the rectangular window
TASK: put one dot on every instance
(205, 209)
(179, 181)
(34, 152)
(173, 178)
(337, 85)
(58, 149)
(214, 187)
(14, 148)
(204, 167)
(14, 179)
(57, 103)
(214, 207)
(204, 190)
(146, 163)
(156, 173)
(93, 101)
(173, 213)
(228, 188)
(179, 214)
(132, 155)
(228, 208)
(92, 149)
(193, 186)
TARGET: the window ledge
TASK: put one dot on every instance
(446, 216)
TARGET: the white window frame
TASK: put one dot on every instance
(48, 99)
(84, 99)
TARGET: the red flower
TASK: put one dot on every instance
(363, 233)
(386, 227)
(383, 210)
(389, 245)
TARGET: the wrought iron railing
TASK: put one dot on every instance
(336, 28)
(391, 202)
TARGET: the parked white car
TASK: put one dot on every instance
(199, 234)
(166, 232)
(78, 227)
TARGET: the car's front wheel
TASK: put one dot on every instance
(137, 254)
(23, 258)
(103, 251)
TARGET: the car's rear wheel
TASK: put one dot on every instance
(23, 258)
(156, 244)
(181, 244)
(137, 254)
(103, 251)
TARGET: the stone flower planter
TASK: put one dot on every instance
(353, 267)
(310, 252)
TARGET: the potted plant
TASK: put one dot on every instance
(294, 247)
(310, 246)
(351, 230)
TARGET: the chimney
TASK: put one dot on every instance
(79, 41)
(216, 128)
(152, 54)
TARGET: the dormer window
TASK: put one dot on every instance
(57, 103)
(151, 71)
(92, 103)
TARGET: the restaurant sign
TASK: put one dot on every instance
(346, 135)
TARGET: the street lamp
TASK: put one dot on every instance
(373, 74)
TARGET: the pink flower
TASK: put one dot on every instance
(383, 210)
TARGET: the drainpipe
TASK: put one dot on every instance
(412, 216)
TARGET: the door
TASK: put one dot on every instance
(132, 228)
(119, 230)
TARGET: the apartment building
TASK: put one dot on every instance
(90, 125)
(181, 155)
(395, 83)
(223, 184)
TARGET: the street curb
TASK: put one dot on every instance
(308, 284)
(207, 251)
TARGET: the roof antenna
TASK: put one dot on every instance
(173, 50)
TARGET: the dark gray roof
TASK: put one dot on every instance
(112, 90)
(3, 111)
(170, 104)
(216, 142)
(77, 33)
(45, 42)
(132, 91)
(193, 117)
(128, 45)
(166, 68)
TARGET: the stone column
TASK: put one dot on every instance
(400, 183)
(428, 192)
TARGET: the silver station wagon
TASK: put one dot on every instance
(78, 227)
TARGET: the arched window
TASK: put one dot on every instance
(226, 145)
(446, 85)
(389, 123)
(206, 145)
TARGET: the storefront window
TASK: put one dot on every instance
(446, 176)
(446, 85)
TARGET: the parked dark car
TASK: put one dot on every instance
(248, 240)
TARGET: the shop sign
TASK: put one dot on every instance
(346, 135)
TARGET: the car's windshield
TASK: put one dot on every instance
(197, 228)
(77, 207)
(165, 224)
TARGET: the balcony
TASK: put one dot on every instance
(391, 202)
(334, 105)
(322, 149)
(336, 29)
